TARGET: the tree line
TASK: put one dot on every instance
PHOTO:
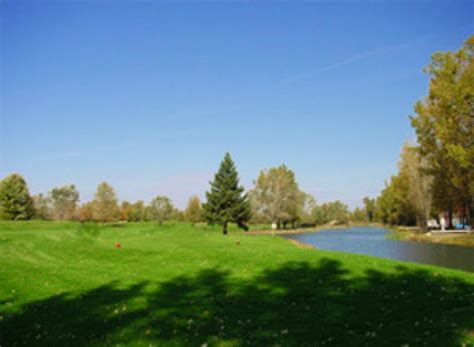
(275, 198)
(436, 174)
(62, 203)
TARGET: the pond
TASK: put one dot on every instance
(374, 241)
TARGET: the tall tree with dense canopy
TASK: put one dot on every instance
(64, 202)
(226, 202)
(414, 168)
(444, 124)
(369, 207)
(393, 204)
(105, 205)
(15, 200)
(276, 195)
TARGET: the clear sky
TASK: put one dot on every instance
(150, 95)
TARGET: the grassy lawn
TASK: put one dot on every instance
(66, 284)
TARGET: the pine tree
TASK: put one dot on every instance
(226, 201)
(15, 200)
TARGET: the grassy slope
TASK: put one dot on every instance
(63, 284)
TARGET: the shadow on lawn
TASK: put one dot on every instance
(296, 304)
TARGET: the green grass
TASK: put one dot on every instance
(66, 284)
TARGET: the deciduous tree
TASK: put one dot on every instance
(358, 215)
(64, 202)
(331, 212)
(42, 207)
(415, 168)
(369, 208)
(444, 124)
(138, 212)
(276, 195)
(193, 212)
(105, 205)
(160, 209)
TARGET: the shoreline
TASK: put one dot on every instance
(312, 229)
(462, 239)
(400, 233)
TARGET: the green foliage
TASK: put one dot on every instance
(194, 212)
(445, 128)
(226, 201)
(15, 200)
(276, 197)
(369, 209)
(415, 169)
(305, 206)
(138, 211)
(105, 206)
(41, 207)
(177, 215)
(331, 212)
(64, 202)
(406, 199)
(160, 209)
(393, 204)
(358, 215)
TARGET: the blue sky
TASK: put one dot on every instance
(150, 95)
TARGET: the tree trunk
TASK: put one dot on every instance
(224, 228)
(470, 216)
(450, 217)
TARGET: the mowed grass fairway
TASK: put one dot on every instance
(66, 284)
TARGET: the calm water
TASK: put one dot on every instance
(373, 241)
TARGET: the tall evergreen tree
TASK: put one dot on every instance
(226, 201)
(15, 200)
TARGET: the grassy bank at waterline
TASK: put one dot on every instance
(465, 239)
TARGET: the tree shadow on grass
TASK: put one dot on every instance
(297, 304)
